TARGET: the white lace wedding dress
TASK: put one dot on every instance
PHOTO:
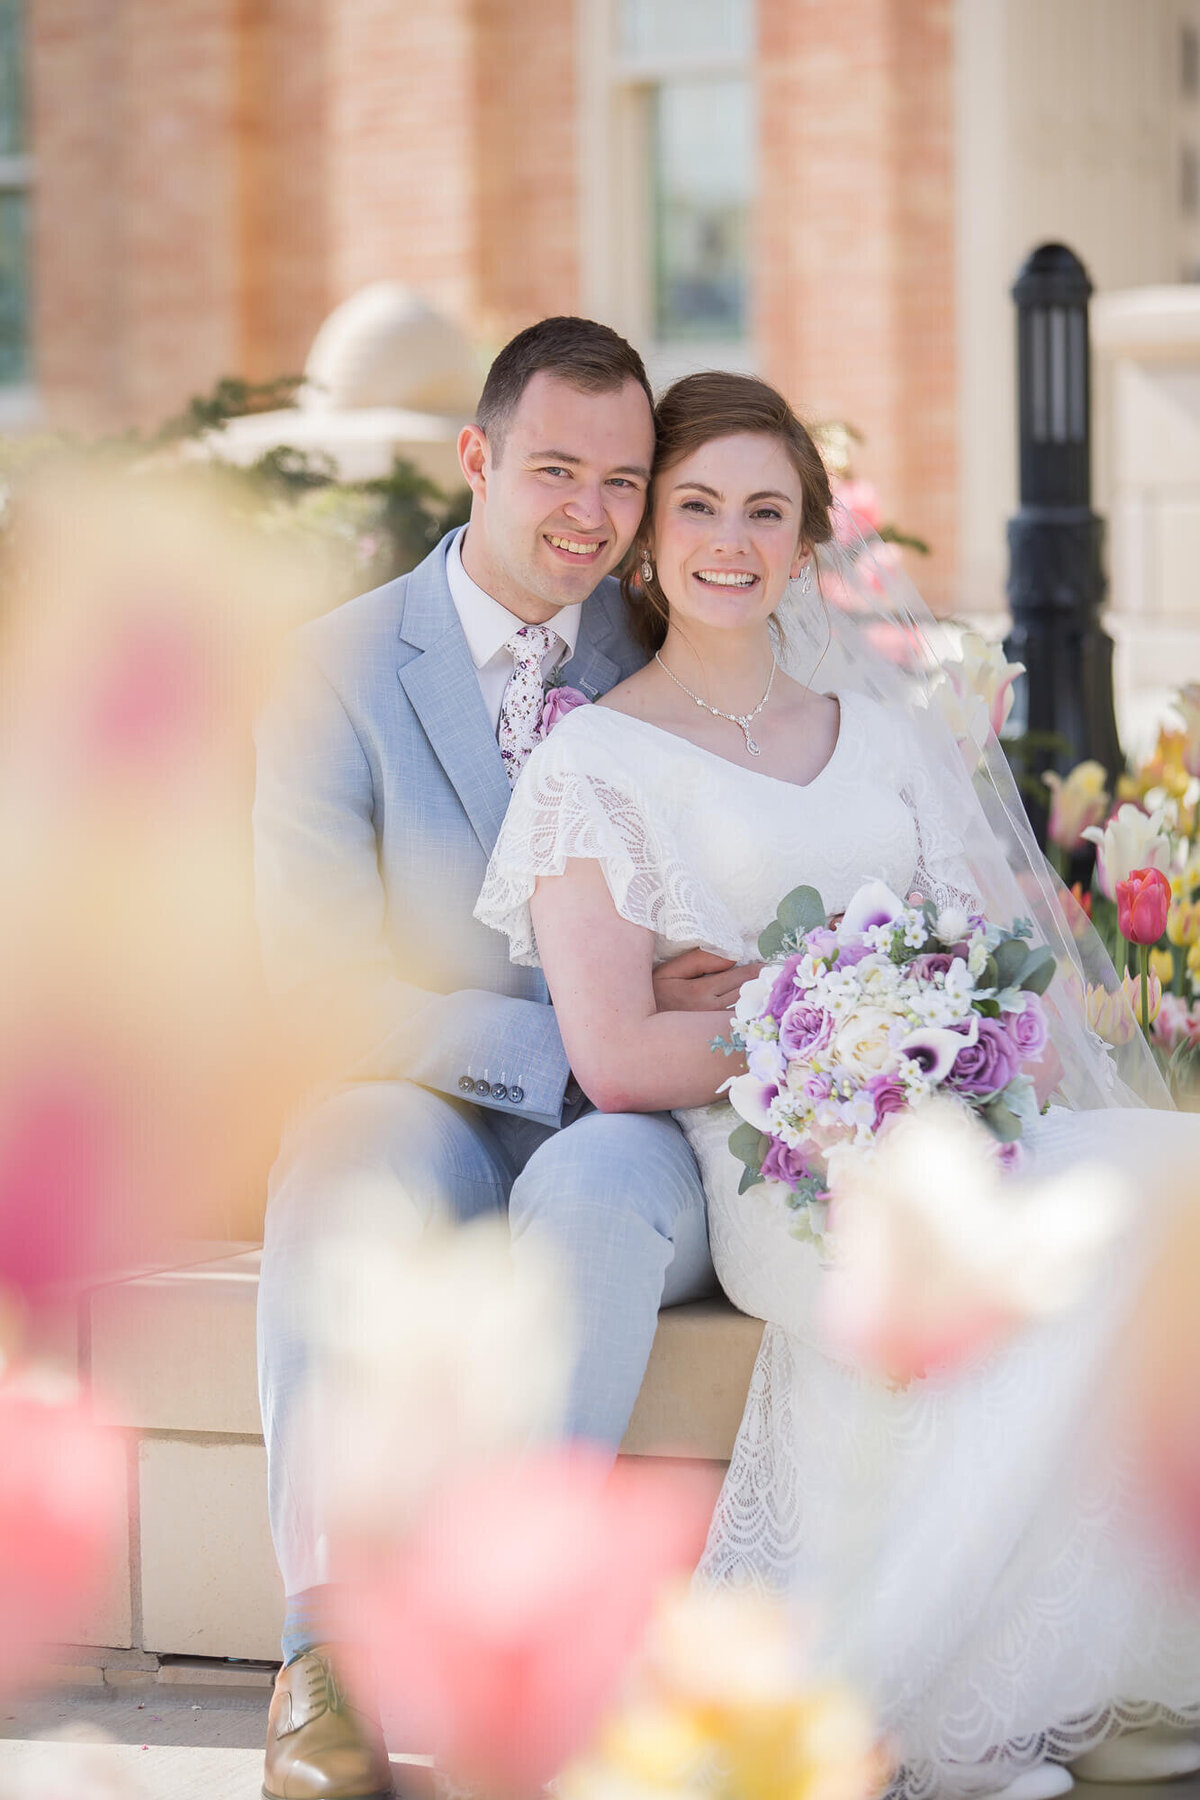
(993, 1594)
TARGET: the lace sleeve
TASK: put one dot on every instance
(561, 810)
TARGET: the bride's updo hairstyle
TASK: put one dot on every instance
(693, 412)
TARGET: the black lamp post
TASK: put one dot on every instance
(1056, 581)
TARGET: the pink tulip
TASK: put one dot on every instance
(502, 1626)
(1142, 905)
(62, 1512)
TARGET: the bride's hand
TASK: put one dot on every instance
(698, 981)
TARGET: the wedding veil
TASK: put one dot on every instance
(861, 627)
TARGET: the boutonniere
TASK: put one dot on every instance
(559, 701)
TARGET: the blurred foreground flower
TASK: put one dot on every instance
(724, 1704)
(65, 1767)
(436, 1352)
(938, 1257)
(501, 1625)
(62, 1512)
(1160, 1376)
(142, 1074)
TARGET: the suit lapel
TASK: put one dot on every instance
(443, 686)
(591, 669)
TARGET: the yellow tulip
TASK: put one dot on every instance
(1133, 993)
(1162, 967)
(1183, 921)
(1108, 1014)
(1076, 801)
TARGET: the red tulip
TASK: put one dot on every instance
(502, 1625)
(1142, 903)
(62, 1509)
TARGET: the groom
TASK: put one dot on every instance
(385, 762)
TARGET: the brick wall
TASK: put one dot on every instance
(855, 267)
(215, 175)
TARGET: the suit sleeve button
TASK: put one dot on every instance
(516, 1095)
(466, 1085)
(483, 1089)
(499, 1091)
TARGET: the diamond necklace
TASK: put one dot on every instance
(742, 719)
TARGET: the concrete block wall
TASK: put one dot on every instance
(170, 1351)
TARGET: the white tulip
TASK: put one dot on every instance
(1131, 840)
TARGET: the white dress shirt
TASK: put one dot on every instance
(488, 626)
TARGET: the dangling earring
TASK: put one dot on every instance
(806, 580)
(647, 571)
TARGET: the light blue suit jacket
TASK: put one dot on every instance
(380, 792)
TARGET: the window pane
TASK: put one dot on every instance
(12, 79)
(703, 160)
(686, 27)
(13, 296)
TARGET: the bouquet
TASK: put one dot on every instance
(850, 1025)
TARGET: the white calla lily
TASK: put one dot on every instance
(873, 904)
(750, 1099)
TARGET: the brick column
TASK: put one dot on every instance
(402, 149)
(856, 235)
(137, 267)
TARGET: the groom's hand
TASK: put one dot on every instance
(698, 981)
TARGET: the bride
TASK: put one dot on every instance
(1001, 1618)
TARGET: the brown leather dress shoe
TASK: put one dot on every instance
(319, 1746)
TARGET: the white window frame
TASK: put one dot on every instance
(616, 280)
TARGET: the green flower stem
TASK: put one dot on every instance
(1144, 971)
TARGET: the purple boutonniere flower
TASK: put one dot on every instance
(558, 703)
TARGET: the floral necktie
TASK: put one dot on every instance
(521, 707)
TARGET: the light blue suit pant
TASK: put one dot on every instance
(616, 1197)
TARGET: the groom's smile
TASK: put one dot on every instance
(578, 549)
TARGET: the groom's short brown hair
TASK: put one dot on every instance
(591, 357)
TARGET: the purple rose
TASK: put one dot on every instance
(818, 1086)
(784, 991)
(888, 1095)
(782, 1163)
(558, 703)
(850, 954)
(821, 942)
(932, 964)
(1028, 1029)
(988, 1064)
(804, 1029)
